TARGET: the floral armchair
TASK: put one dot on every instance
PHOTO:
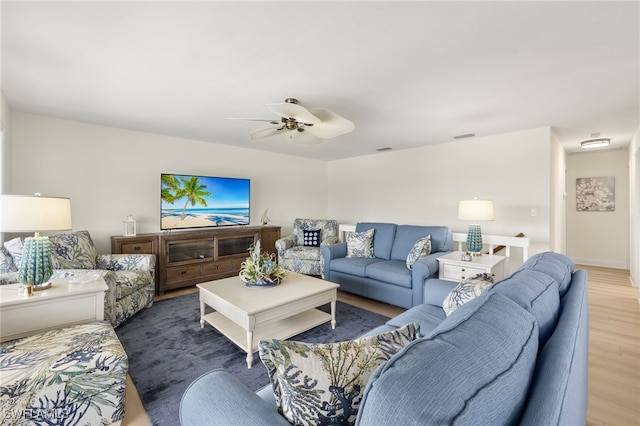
(129, 277)
(300, 252)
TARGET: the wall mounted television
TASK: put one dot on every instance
(189, 201)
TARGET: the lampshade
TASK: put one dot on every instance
(33, 213)
(476, 210)
(24, 213)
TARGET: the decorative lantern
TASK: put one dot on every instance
(130, 226)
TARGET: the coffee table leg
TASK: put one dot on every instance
(333, 313)
(201, 314)
(249, 348)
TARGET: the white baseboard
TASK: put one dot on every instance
(600, 262)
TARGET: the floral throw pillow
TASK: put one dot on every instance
(323, 383)
(360, 244)
(73, 251)
(465, 291)
(421, 248)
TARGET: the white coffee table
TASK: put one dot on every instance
(61, 305)
(245, 315)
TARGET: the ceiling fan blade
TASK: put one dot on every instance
(305, 138)
(272, 121)
(265, 133)
(291, 110)
(331, 124)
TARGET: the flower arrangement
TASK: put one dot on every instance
(261, 268)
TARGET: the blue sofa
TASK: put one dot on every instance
(386, 277)
(516, 354)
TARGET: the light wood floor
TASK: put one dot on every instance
(614, 349)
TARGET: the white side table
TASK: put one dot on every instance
(453, 268)
(61, 305)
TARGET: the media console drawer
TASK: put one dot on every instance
(178, 273)
(216, 267)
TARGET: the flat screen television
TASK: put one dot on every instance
(189, 201)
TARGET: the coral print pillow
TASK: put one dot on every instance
(322, 384)
(421, 248)
(465, 291)
(360, 244)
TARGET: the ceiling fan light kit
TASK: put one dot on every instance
(315, 124)
(595, 143)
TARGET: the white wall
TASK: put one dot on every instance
(109, 173)
(558, 196)
(5, 149)
(423, 186)
(634, 209)
(599, 238)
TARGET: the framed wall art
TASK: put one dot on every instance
(596, 194)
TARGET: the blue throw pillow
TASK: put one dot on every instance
(311, 238)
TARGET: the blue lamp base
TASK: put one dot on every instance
(474, 240)
(36, 268)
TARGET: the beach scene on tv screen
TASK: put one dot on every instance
(202, 201)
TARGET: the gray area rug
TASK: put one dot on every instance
(168, 350)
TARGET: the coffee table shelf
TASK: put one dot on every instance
(281, 329)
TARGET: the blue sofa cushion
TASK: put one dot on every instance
(475, 368)
(390, 271)
(353, 265)
(382, 238)
(406, 237)
(558, 266)
(559, 391)
(537, 293)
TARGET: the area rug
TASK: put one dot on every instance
(168, 350)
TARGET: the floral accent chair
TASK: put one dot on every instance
(129, 277)
(69, 376)
(300, 252)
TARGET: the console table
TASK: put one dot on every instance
(61, 305)
(186, 258)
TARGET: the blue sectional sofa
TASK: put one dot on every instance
(385, 277)
(516, 354)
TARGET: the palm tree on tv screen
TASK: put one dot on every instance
(192, 189)
(169, 187)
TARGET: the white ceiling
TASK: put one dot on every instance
(407, 74)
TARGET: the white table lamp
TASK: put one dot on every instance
(27, 213)
(475, 210)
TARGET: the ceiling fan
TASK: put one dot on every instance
(308, 126)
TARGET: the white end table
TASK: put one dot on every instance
(61, 305)
(453, 268)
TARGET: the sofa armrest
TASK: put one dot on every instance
(218, 398)
(285, 243)
(435, 291)
(328, 252)
(126, 262)
(423, 268)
